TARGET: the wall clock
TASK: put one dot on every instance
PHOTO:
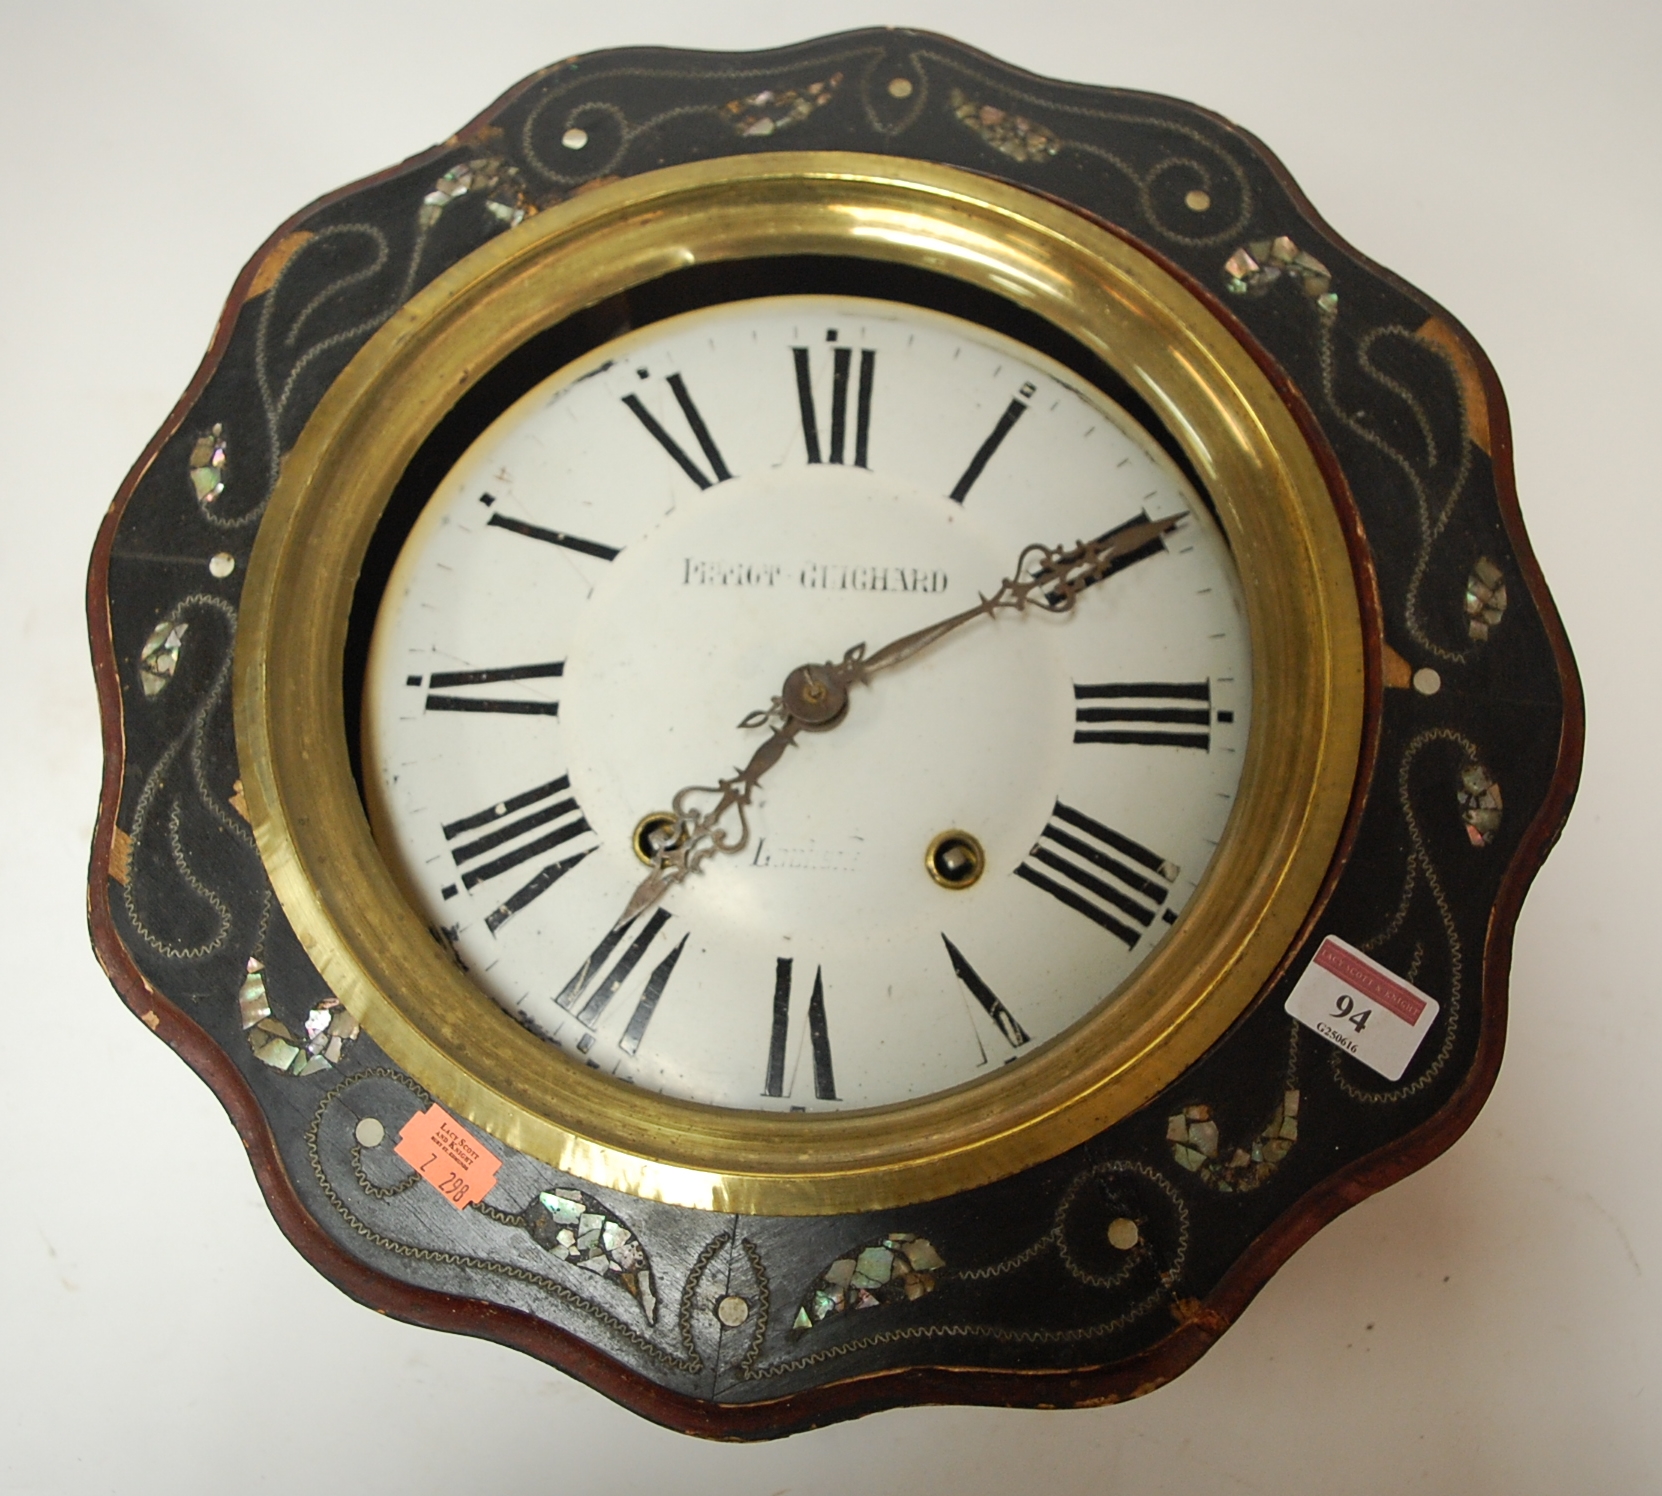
(828, 728)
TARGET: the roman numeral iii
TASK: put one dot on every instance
(1170, 714)
(1099, 872)
(496, 840)
(819, 1035)
(842, 362)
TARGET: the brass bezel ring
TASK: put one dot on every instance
(370, 945)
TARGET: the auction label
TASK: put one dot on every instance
(1369, 1012)
(448, 1156)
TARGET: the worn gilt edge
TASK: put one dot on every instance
(832, 1402)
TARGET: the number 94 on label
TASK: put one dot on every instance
(1368, 1011)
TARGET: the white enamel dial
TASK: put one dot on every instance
(634, 556)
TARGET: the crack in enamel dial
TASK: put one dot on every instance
(654, 537)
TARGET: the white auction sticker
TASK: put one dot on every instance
(1369, 1012)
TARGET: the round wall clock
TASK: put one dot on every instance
(826, 728)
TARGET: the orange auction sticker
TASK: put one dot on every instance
(448, 1156)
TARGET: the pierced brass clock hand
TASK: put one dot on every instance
(700, 834)
(814, 698)
(1057, 576)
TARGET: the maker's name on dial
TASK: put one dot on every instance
(813, 576)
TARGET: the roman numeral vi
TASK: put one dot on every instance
(819, 1035)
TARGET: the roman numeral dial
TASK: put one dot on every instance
(776, 1082)
(600, 978)
(1014, 1034)
(686, 522)
(548, 537)
(1155, 547)
(1006, 423)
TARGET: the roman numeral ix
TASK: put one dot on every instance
(1100, 873)
(505, 839)
(595, 992)
(441, 682)
(695, 423)
(842, 360)
(819, 1035)
(1166, 713)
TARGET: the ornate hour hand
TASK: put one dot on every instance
(700, 834)
(814, 698)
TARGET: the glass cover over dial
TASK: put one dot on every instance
(970, 853)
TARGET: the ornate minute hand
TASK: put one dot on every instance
(814, 698)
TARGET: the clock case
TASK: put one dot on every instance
(750, 1326)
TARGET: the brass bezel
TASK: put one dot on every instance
(372, 948)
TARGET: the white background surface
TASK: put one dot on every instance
(1490, 1325)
